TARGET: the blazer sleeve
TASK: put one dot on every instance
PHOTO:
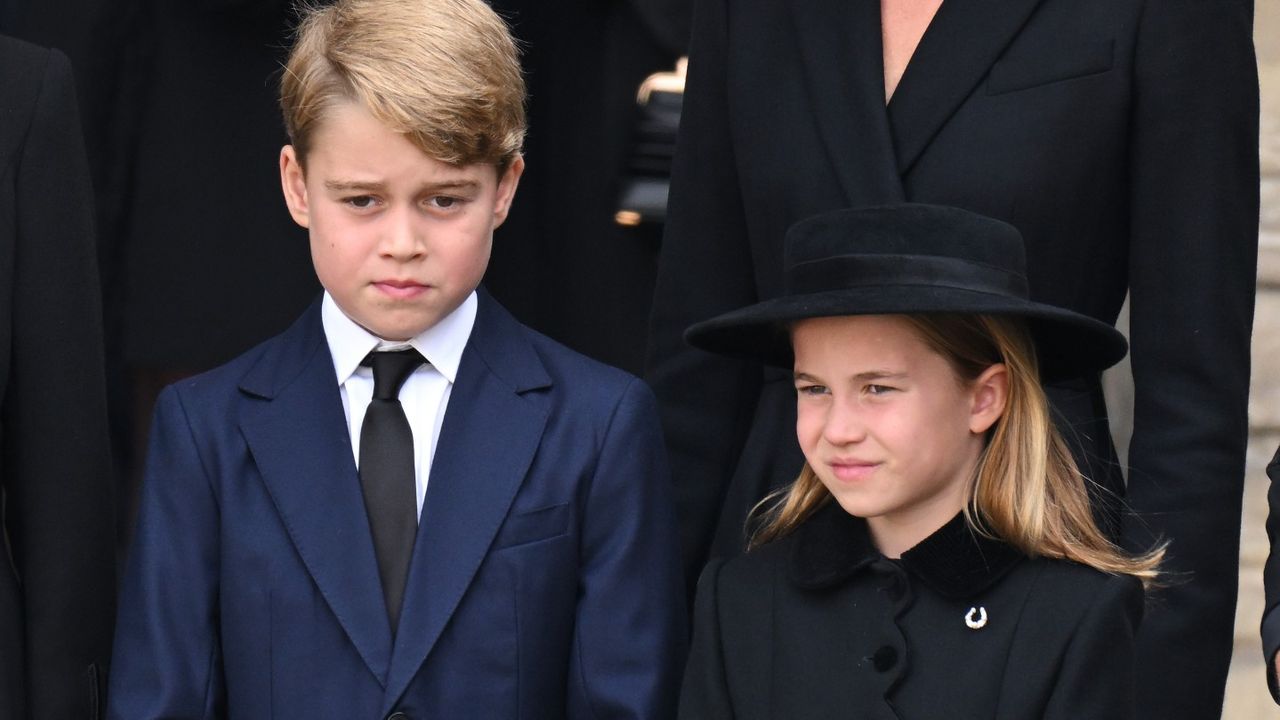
(167, 659)
(1194, 215)
(56, 460)
(1096, 679)
(705, 692)
(704, 269)
(630, 630)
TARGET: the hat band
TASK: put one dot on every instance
(847, 272)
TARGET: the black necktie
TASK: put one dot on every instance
(387, 474)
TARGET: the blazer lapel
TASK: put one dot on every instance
(840, 43)
(299, 440)
(964, 40)
(491, 431)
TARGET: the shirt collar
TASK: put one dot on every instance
(955, 561)
(441, 344)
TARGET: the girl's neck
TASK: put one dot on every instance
(899, 532)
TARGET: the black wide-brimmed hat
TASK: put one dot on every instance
(908, 259)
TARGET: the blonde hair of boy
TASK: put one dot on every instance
(444, 73)
(1026, 489)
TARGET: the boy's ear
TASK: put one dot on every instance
(990, 394)
(293, 182)
(507, 183)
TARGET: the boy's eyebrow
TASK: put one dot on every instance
(350, 185)
(376, 186)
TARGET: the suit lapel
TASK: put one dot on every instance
(839, 41)
(491, 432)
(300, 443)
(964, 40)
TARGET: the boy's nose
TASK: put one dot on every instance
(402, 238)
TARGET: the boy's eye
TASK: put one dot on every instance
(360, 202)
(444, 201)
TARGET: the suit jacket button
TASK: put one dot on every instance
(885, 658)
(397, 716)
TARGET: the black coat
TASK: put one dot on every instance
(1271, 579)
(1120, 137)
(57, 562)
(821, 625)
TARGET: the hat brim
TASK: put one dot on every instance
(1068, 344)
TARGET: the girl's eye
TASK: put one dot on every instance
(879, 389)
(811, 389)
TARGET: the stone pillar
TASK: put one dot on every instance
(1247, 696)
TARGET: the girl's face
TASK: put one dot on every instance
(887, 425)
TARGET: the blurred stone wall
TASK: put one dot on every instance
(1247, 696)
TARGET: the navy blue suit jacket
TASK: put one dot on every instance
(545, 578)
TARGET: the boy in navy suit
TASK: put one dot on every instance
(477, 524)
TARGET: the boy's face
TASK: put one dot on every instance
(398, 238)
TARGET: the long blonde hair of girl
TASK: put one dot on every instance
(1027, 489)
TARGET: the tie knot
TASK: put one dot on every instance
(390, 370)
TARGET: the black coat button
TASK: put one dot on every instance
(885, 658)
(897, 589)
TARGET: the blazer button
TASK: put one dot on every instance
(885, 658)
(397, 716)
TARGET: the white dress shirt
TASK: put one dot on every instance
(424, 396)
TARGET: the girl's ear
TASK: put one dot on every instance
(989, 394)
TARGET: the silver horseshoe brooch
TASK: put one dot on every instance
(976, 618)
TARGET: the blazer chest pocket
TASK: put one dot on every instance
(1053, 64)
(532, 526)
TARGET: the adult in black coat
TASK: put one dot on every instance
(1119, 136)
(821, 625)
(57, 572)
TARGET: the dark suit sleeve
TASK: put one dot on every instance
(167, 659)
(57, 464)
(630, 632)
(1096, 679)
(705, 693)
(1271, 579)
(1194, 215)
(705, 268)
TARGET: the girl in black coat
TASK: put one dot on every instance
(1119, 136)
(937, 556)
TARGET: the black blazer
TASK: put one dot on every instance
(57, 565)
(1120, 137)
(820, 625)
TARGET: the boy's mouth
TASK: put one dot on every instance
(400, 289)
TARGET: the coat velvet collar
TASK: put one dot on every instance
(832, 546)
